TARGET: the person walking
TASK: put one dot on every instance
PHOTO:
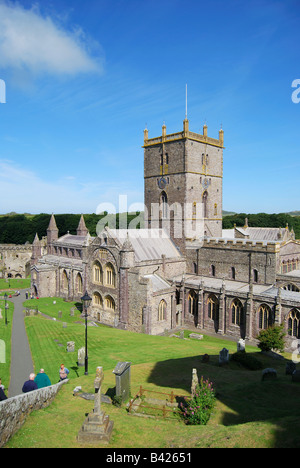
(30, 384)
(63, 372)
(42, 380)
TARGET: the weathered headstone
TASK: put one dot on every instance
(97, 427)
(2, 352)
(81, 357)
(122, 373)
(59, 314)
(195, 382)
(71, 346)
(290, 368)
(269, 374)
(241, 346)
(72, 311)
(196, 336)
(223, 356)
(205, 358)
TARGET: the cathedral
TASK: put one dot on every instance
(181, 269)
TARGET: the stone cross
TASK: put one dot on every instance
(97, 384)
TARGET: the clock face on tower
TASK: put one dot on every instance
(162, 183)
(205, 184)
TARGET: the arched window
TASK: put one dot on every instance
(97, 300)
(65, 280)
(205, 204)
(162, 310)
(213, 308)
(97, 273)
(237, 312)
(291, 287)
(110, 275)
(212, 270)
(164, 205)
(79, 283)
(232, 273)
(255, 276)
(110, 303)
(294, 323)
(265, 317)
(192, 303)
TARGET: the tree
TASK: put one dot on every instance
(272, 338)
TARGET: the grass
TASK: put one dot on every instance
(249, 413)
(5, 336)
(14, 283)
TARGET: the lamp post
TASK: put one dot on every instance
(86, 300)
(6, 307)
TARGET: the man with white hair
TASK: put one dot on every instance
(30, 385)
(42, 380)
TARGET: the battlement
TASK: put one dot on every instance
(185, 134)
(266, 246)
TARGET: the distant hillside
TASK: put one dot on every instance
(21, 228)
(264, 220)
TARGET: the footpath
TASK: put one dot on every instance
(21, 361)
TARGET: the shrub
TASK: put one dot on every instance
(198, 409)
(271, 339)
(247, 360)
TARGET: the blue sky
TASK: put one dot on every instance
(83, 79)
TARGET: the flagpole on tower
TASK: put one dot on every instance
(186, 102)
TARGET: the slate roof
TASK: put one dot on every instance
(148, 244)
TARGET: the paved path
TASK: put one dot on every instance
(21, 362)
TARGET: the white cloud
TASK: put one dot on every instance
(36, 44)
(24, 191)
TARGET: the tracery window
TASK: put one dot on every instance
(213, 308)
(97, 299)
(110, 303)
(294, 323)
(236, 312)
(97, 273)
(110, 275)
(265, 317)
(192, 303)
(162, 310)
(65, 280)
(79, 283)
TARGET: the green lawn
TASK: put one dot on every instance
(5, 336)
(249, 412)
(15, 283)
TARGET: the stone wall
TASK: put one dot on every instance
(14, 411)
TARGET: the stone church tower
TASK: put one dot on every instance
(183, 175)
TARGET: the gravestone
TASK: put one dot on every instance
(97, 427)
(2, 352)
(71, 346)
(72, 311)
(223, 356)
(196, 336)
(241, 346)
(290, 368)
(123, 374)
(59, 314)
(205, 358)
(269, 374)
(81, 357)
(195, 382)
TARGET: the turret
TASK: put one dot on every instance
(52, 234)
